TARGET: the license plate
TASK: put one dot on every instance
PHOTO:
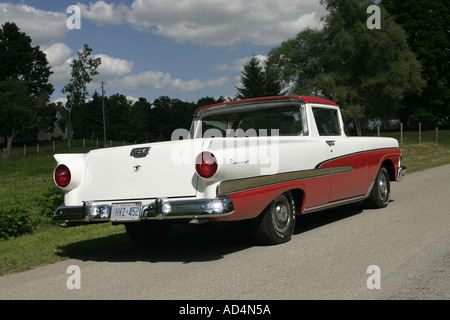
(126, 211)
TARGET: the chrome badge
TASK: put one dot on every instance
(140, 152)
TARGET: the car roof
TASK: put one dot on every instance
(304, 99)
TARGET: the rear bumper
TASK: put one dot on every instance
(157, 209)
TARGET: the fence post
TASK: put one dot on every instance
(24, 149)
(37, 148)
(420, 132)
(437, 135)
(54, 148)
(401, 132)
(84, 142)
(378, 130)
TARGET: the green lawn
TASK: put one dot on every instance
(27, 181)
(427, 154)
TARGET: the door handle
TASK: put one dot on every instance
(331, 142)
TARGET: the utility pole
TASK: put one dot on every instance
(104, 122)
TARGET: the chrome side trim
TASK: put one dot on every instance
(245, 184)
(333, 204)
(369, 190)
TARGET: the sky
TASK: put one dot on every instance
(183, 49)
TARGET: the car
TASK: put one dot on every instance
(263, 160)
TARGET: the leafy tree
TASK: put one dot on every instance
(169, 114)
(366, 71)
(83, 69)
(426, 23)
(91, 110)
(258, 81)
(117, 115)
(24, 86)
(206, 101)
(140, 120)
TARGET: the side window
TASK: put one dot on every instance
(327, 121)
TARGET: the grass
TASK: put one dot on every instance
(27, 180)
(427, 154)
(417, 157)
(50, 244)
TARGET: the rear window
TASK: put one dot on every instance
(257, 122)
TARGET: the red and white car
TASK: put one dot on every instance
(264, 160)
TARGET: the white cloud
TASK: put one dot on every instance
(113, 67)
(57, 53)
(104, 13)
(238, 64)
(59, 58)
(42, 26)
(213, 22)
(216, 83)
(221, 67)
(116, 73)
(202, 22)
(164, 81)
(132, 99)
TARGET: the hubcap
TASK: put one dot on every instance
(383, 188)
(281, 215)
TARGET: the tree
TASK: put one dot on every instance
(426, 23)
(140, 120)
(83, 69)
(24, 86)
(258, 81)
(93, 111)
(168, 115)
(117, 114)
(366, 71)
(206, 101)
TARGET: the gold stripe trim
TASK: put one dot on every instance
(245, 184)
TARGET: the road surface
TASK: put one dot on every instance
(400, 252)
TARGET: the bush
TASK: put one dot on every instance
(51, 199)
(15, 220)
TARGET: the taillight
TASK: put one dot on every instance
(62, 176)
(206, 164)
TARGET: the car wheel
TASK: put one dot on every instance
(276, 223)
(148, 232)
(381, 191)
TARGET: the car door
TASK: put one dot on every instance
(346, 155)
